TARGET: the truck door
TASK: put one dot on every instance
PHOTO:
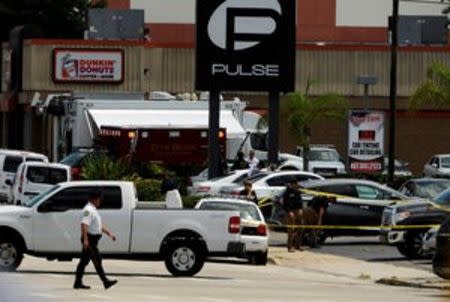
(56, 223)
(117, 217)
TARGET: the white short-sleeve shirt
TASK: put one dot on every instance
(92, 219)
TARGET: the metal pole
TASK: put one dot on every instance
(393, 91)
(366, 96)
(213, 135)
(274, 124)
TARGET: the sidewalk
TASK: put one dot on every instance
(339, 266)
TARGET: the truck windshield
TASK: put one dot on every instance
(443, 199)
(39, 197)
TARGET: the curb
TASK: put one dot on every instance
(273, 261)
(413, 284)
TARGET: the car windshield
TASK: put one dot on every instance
(39, 197)
(431, 189)
(323, 155)
(46, 175)
(445, 162)
(247, 211)
(256, 177)
(73, 159)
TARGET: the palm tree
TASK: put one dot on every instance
(435, 91)
(302, 110)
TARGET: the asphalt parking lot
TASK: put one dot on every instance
(362, 248)
(42, 281)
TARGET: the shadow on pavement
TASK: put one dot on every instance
(132, 275)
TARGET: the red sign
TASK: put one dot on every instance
(88, 65)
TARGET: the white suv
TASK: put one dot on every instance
(33, 178)
(10, 160)
(323, 160)
(438, 166)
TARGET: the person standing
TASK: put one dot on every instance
(248, 192)
(253, 163)
(293, 205)
(240, 163)
(91, 233)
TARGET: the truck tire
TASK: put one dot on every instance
(412, 247)
(11, 254)
(259, 258)
(184, 258)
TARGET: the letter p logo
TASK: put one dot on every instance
(242, 24)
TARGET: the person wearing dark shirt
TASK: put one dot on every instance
(240, 163)
(293, 205)
(167, 184)
(248, 192)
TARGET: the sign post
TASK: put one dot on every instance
(246, 45)
(365, 141)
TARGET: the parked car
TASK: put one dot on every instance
(77, 159)
(10, 160)
(357, 203)
(417, 213)
(254, 232)
(426, 188)
(214, 186)
(49, 227)
(401, 168)
(33, 178)
(267, 185)
(323, 160)
(438, 166)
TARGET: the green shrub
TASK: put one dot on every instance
(102, 167)
(147, 189)
(190, 201)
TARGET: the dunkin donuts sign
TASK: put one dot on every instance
(88, 65)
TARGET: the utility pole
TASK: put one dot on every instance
(393, 90)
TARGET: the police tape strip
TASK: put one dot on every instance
(354, 227)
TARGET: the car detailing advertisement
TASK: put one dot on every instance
(365, 141)
(88, 65)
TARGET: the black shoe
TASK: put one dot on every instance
(109, 283)
(81, 286)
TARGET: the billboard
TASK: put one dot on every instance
(365, 141)
(245, 45)
(88, 65)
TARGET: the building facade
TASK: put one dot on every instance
(337, 41)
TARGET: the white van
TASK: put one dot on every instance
(33, 178)
(10, 160)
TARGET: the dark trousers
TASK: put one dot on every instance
(91, 253)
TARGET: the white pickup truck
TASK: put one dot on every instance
(49, 227)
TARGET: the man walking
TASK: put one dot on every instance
(91, 233)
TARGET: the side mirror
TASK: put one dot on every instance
(8, 182)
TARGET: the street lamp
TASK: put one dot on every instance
(367, 80)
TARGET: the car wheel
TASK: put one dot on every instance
(184, 258)
(259, 258)
(412, 248)
(321, 237)
(11, 255)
